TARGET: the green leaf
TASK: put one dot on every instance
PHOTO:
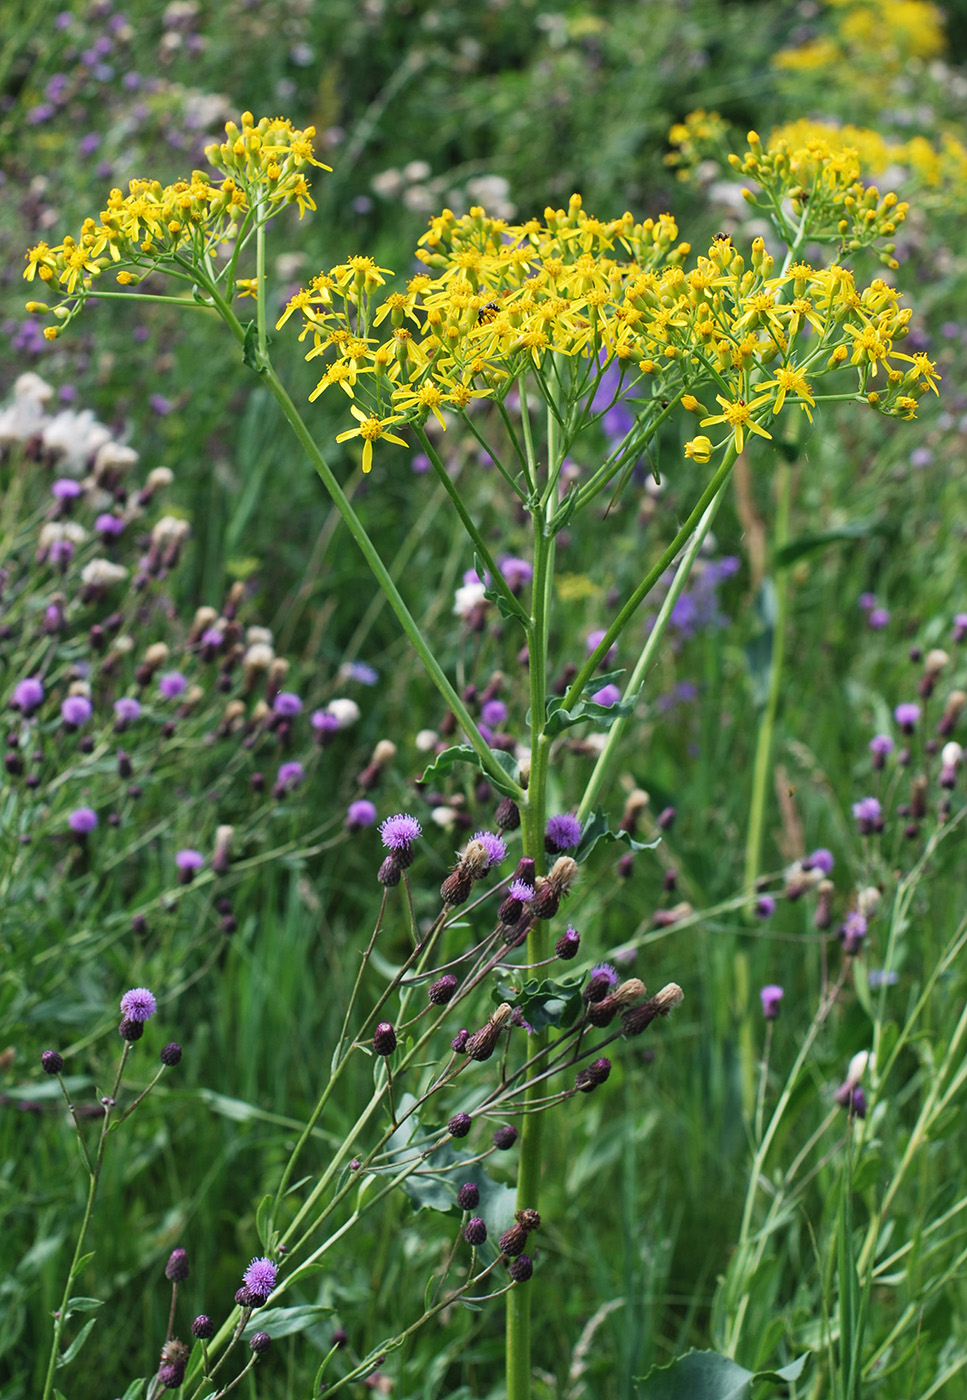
(495, 596)
(861, 986)
(282, 1322)
(463, 753)
(543, 1003)
(706, 1375)
(811, 544)
(865, 1172)
(263, 1221)
(596, 829)
(77, 1343)
(585, 711)
(135, 1390)
(251, 354)
(82, 1264)
(82, 1305)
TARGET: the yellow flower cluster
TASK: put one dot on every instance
(264, 166)
(508, 298)
(884, 33)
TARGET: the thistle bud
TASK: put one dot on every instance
(504, 1138)
(507, 816)
(384, 1039)
(457, 887)
(567, 946)
(468, 1196)
(475, 1231)
(521, 1268)
(481, 1045)
(389, 873)
(954, 708)
(176, 1269)
(638, 1018)
(221, 856)
(442, 989)
(603, 1011)
(460, 1125)
(635, 804)
(592, 1075)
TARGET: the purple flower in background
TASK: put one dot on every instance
(880, 745)
(608, 695)
(960, 627)
(289, 776)
(562, 833)
(324, 724)
(189, 863)
(420, 463)
(88, 143)
(820, 859)
(76, 710)
(160, 405)
(109, 526)
(868, 815)
(28, 695)
(259, 1278)
(493, 845)
(867, 601)
(493, 712)
(286, 704)
(138, 1004)
(127, 709)
(771, 998)
(65, 488)
(520, 889)
(594, 639)
(172, 684)
(359, 814)
(398, 832)
(906, 716)
(765, 906)
(517, 572)
(360, 672)
(878, 618)
(852, 932)
(82, 821)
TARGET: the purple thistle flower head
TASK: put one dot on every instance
(867, 813)
(608, 695)
(906, 716)
(360, 814)
(521, 890)
(771, 997)
(65, 488)
(399, 831)
(212, 638)
(76, 710)
(189, 861)
(880, 745)
(138, 1004)
(82, 821)
(606, 973)
(765, 906)
(286, 704)
(878, 618)
(324, 724)
(867, 601)
(493, 712)
(852, 932)
(289, 776)
(259, 1278)
(109, 526)
(562, 833)
(28, 694)
(517, 572)
(172, 684)
(493, 845)
(820, 859)
(127, 709)
(359, 671)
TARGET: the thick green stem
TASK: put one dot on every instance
(763, 751)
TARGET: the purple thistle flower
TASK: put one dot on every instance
(289, 776)
(520, 889)
(76, 710)
(878, 618)
(324, 724)
(765, 906)
(172, 684)
(65, 488)
(960, 627)
(286, 704)
(109, 526)
(127, 709)
(867, 601)
(399, 831)
(820, 859)
(359, 671)
(493, 845)
(867, 813)
(28, 694)
(562, 833)
(82, 821)
(138, 1005)
(517, 572)
(608, 695)
(259, 1278)
(906, 716)
(359, 814)
(771, 997)
(880, 745)
(852, 932)
(493, 712)
(189, 863)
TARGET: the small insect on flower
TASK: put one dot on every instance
(488, 313)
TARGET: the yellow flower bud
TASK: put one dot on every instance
(699, 449)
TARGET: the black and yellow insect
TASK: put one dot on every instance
(488, 313)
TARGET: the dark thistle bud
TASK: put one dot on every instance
(176, 1269)
(526, 870)
(468, 1196)
(521, 1268)
(131, 1030)
(670, 881)
(625, 866)
(171, 1053)
(851, 1096)
(567, 946)
(638, 1018)
(202, 1328)
(125, 768)
(384, 1039)
(504, 1138)
(171, 1375)
(51, 1062)
(459, 1125)
(603, 1011)
(442, 989)
(459, 1041)
(530, 1219)
(601, 981)
(457, 887)
(475, 1231)
(512, 1241)
(481, 1045)
(389, 872)
(593, 1075)
(823, 916)
(507, 816)
(245, 1298)
(139, 924)
(666, 819)
(13, 763)
(546, 901)
(260, 1343)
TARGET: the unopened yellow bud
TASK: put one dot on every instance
(699, 449)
